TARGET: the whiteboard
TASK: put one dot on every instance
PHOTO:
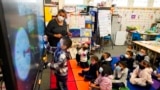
(120, 37)
(104, 22)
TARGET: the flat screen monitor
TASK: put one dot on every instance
(24, 28)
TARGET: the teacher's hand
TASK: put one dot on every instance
(69, 34)
(58, 35)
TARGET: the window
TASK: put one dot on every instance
(156, 3)
(120, 3)
(140, 3)
(73, 2)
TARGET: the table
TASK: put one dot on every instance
(148, 36)
(152, 46)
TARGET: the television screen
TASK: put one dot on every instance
(25, 28)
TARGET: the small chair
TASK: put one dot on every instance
(108, 38)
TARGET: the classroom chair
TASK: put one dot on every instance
(108, 38)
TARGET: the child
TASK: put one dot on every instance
(128, 58)
(59, 64)
(130, 48)
(142, 55)
(83, 56)
(142, 74)
(120, 75)
(92, 73)
(104, 80)
(106, 58)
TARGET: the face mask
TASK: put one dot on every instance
(118, 68)
(126, 56)
(141, 54)
(100, 69)
(60, 18)
(141, 66)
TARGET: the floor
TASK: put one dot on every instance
(45, 85)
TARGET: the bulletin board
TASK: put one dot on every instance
(141, 18)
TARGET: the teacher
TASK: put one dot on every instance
(57, 28)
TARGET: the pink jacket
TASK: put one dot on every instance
(144, 76)
(104, 82)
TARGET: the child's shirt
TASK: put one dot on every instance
(144, 75)
(83, 55)
(59, 63)
(93, 70)
(104, 82)
(122, 76)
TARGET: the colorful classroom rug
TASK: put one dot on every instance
(76, 82)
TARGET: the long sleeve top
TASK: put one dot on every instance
(122, 75)
(104, 82)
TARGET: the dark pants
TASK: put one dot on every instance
(61, 82)
(88, 76)
(84, 64)
(117, 85)
(78, 58)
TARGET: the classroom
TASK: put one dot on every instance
(80, 45)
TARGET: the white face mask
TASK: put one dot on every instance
(118, 68)
(60, 18)
(126, 56)
(100, 69)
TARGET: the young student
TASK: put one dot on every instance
(156, 74)
(128, 58)
(130, 48)
(104, 79)
(142, 74)
(142, 55)
(106, 58)
(92, 73)
(120, 75)
(83, 56)
(59, 64)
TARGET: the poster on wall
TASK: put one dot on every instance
(104, 20)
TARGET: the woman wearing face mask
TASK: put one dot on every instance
(142, 74)
(120, 75)
(57, 28)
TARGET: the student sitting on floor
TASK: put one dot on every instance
(128, 58)
(83, 56)
(142, 74)
(142, 55)
(130, 48)
(120, 75)
(156, 74)
(105, 58)
(104, 80)
(92, 73)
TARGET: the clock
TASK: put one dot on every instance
(22, 54)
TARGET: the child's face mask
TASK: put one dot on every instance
(126, 56)
(118, 68)
(100, 69)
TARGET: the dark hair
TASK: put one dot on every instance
(67, 42)
(130, 46)
(107, 53)
(123, 63)
(107, 70)
(130, 53)
(95, 58)
(62, 11)
(146, 63)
